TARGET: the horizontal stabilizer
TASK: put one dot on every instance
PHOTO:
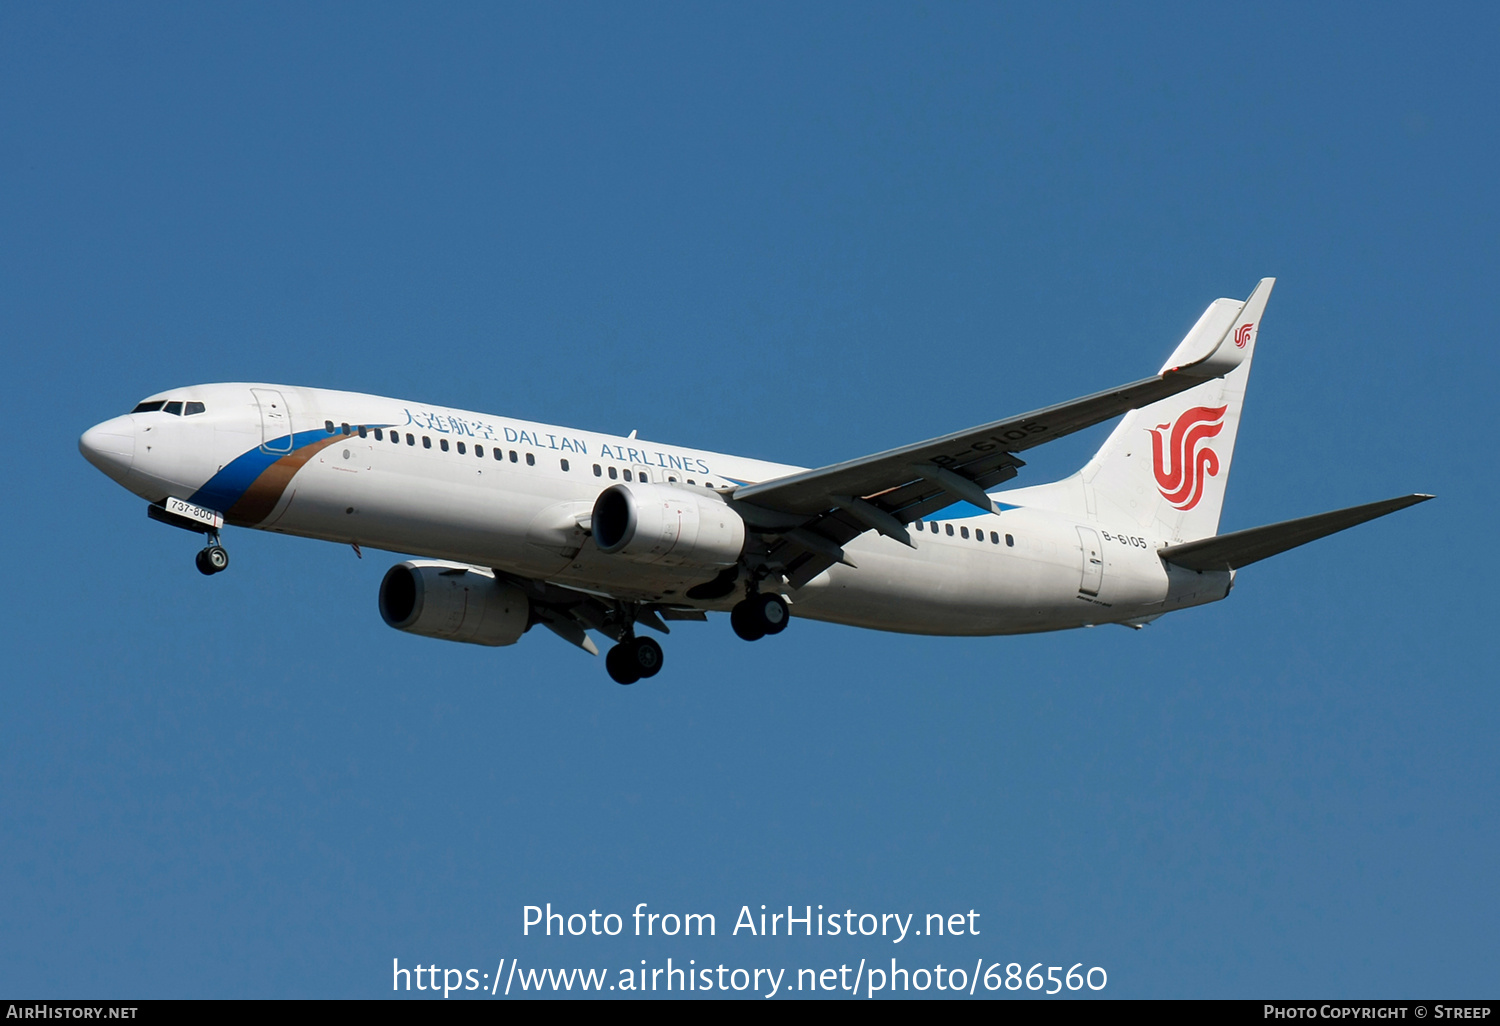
(1241, 548)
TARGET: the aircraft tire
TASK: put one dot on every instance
(745, 622)
(773, 612)
(216, 557)
(618, 664)
(201, 562)
(645, 657)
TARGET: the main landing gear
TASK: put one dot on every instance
(633, 659)
(759, 615)
(636, 658)
(213, 559)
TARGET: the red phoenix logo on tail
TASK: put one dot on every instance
(1192, 461)
(1242, 336)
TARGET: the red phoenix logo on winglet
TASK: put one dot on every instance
(1192, 461)
(1242, 336)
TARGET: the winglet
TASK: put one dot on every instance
(1223, 338)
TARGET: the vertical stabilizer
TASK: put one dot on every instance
(1165, 466)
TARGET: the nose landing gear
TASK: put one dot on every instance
(213, 559)
(633, 659)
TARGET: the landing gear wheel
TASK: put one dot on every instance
(620, 666)
(646, 656)
(758, 616)
(745, 623)
(212, 560)
(633, 659)
(773, 612)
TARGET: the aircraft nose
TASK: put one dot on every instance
(110, 446)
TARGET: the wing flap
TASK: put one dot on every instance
(1241, 548)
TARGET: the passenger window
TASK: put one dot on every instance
(151, 407)
(174, 408)
(994, 538)
(479, 451)
(530, 460)
(513, 457)
(396, 437)
(461, 450)
(1010, 541)
(192, 408)
(498, 453)
(598, 472)
(379, 437)
(564, 464)
(627, 475)
(613, 474)
(328, 426)
(426, 442)
(949, 529)
(963, 532)
(691, 481)
(345, 428)
(410, 440)
(673, 480)
(362, 431)
(642, 475)
(443, 444)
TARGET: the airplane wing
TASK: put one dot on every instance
(816, 512)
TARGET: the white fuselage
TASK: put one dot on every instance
(495, 492)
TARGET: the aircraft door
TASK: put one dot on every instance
(1093, 561)
(275, 420)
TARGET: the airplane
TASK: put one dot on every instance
(516, 524)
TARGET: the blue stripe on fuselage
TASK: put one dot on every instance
(226, 487)
(962, 510)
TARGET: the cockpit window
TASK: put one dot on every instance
(174, 408)
(191, 408)
(150, 407)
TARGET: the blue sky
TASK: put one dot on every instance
(799, 235)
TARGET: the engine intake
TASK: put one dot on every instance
(453, 602)
(650, 523)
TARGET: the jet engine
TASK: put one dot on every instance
(453, 602)
(667, 525)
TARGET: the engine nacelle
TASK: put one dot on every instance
(453, 602)
(667, 525)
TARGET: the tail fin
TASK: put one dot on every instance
(1165, 466)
